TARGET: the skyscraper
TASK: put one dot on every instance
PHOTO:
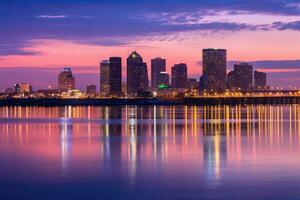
(260, 80)
(214, 70)
(179, 75)
(115, 75)
(158, 65)
(66, 80)
(104, 78)
(137, 74)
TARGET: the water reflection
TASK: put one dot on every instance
(208, 143)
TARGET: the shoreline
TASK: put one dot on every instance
(197, 101)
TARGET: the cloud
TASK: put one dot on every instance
(287, 25)
(17, 48)
(272, 64)
(52, 16)
(92, 22)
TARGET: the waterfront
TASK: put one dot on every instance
(150, 152)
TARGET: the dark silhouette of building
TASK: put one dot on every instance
(137, 74)
(163, 79)
(192, 83)
(115, 75)
(158, 65)
(241, 78)
(66, 80)
(230, 80)
(260, 80)
(91, 89)
(213, 77)
(179, 75)
(105, 78)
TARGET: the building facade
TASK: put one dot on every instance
(231, 80)
(115, 76)
(242, 77)
(158, 65)
(137, 74)
(192, 83)
(91, 89)
(66, 80)
(260, 80)
(105, 78)
(163, 79)
(213, 77)
(179, 76)
(23, 88)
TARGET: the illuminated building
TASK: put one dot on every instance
(137, 74)
(23, 88)
(66, 81)
(241, 78)
(163, 79)
(214, 70)
(104, 78)
(158, 65)
(260, 80)
(115, 76)
(179, 75)
(91, 89)
(48, 92)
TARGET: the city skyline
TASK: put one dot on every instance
(110, 77)
(57, 34)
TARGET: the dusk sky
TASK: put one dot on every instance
(40, 37)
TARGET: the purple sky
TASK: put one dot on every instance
(39, 38)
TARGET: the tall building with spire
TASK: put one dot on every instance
(137, 74)
(213, 77)
(66, 80)
(158, 65)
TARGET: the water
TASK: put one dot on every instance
(152, 152)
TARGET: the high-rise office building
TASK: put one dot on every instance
(163, 79)
(104, 78)
(137, 74)
(66, 80)
(213, 77)
(243, 76)
(158, 65)
(179, 75)
(260, 80)
(115, 75)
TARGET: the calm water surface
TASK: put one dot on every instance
(155, 152)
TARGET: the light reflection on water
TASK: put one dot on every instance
(152, 152)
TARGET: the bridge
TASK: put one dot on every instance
(242, 100)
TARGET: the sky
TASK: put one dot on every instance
(40, 37)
